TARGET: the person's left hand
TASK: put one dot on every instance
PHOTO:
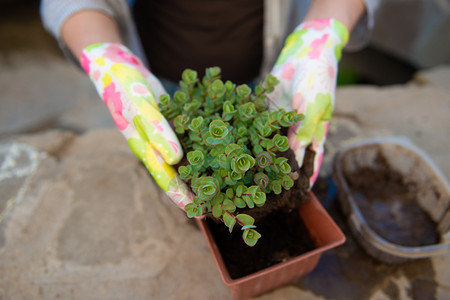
(307, 69)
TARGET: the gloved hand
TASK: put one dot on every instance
(307, 69)
(130, 91)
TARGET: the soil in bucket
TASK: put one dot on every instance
(388, 202)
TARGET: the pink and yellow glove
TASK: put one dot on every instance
(130, 91)
(307, 70)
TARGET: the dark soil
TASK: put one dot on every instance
(389, 205)
(284, 236)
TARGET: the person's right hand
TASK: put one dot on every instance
(307, 69)
(130, 91)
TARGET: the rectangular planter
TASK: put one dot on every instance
(323, 231)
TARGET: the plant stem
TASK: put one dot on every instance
(234, 217)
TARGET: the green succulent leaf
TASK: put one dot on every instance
(250, 236)
(239, 202)
(229, 181)
(240, 190)
(216, 89)
(260, 198)
(196, 124)
(252, 190)
(245, 219)
(218, 129)
(262, 180)
(229, 221)
(229, 193)
(235, 176)
(164, 100)
(224, 161)
(247, 111)
(180, 97)
(242, 131)
(192, 106)
(242, 163)
(210, 75)
(263, 129)
(275, 117)
(259, 90)
(290, 118)
(214, 163)
(195, 137)
(218, 199)
(281, 142)
(193, 210)
(263, 159)
(217, 210)
(196, 158)
(283, 165)
(243, 91)
(181, 123)
(206, 187)
(270, 82)
(217, 150)
(228, 111)
(257, 149)
(189, 76)
(287, 182)
(196, 200)
(185, 172)
(218, 133)
(249, 201)
(275, 186)
(228, 107)
(233, 150)
(229, 205)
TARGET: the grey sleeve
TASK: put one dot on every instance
(55, 12)
(361, 33)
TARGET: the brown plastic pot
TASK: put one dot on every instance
(323, 231)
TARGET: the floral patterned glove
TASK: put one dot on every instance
(307, 69)
(130, 91)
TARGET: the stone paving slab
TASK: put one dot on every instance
(40, 91)
(82, 219)
(93, 225)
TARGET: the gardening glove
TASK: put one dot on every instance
(307, 70)
(130, 91)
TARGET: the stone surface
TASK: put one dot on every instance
(92, 224)
(419, 113)
(40, 91)
(437, 77)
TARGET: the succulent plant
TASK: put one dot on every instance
(232, 144)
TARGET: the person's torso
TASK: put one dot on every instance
(197, 34)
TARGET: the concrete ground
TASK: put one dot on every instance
(80, 218)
